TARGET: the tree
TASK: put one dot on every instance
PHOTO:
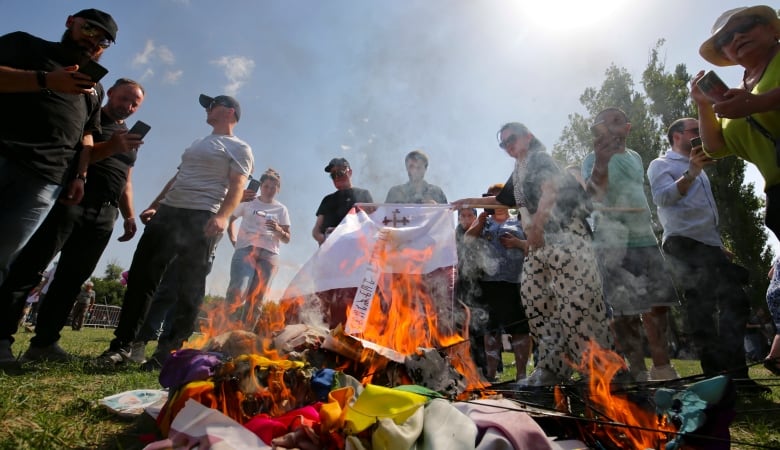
(108, 289)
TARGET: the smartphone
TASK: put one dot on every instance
(712, 86)
(254, 185)
(696, 142)
(94, 70)
(140, 128)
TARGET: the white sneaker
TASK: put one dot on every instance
(138, 352)
(661, 373)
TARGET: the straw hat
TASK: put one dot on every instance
(708, 50)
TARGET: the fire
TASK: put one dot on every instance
(643, 428)
(409, 310)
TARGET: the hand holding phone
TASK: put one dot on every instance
(712, 86)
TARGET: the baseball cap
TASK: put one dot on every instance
(100, 19)
(336, 162)
(224, 100)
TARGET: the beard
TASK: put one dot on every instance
(76, 52)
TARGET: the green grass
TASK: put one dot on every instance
(55, 405)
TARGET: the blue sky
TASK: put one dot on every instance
(369, 81)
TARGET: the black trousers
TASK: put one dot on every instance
(81, 234)
(173, 233)
(716, 306)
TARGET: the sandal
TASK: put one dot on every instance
(773, 365)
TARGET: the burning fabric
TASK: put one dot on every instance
(390, 367)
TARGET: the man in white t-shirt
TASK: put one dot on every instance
(182, 224)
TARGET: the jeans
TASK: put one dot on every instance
(86, 231)
(172, 233)
(251, 270)
(162, 309)
(79, 233)
(25, 199)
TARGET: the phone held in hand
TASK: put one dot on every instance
(696, 142)
(140, 128)
(712, 86)
(254, 185)
(94, 70)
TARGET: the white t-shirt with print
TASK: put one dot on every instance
(252, 228)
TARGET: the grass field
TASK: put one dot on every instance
(55, 406)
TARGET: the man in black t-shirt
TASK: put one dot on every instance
(80, 232)
(332, 210)
(335, 206)
(49, 111)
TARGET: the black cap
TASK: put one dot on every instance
(100, 19)
(224, 100)
(336, 162)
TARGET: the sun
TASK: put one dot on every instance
(569, 15)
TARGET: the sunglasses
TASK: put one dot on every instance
(726, 37)
(92, 31)
(215, 103)
(339, 174)
(506, 143)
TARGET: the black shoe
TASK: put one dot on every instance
(772, 365)
(746, 386)
(150, 365)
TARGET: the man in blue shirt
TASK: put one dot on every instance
(691, 241)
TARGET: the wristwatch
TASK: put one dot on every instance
(687, 175)
(82, 178)
(40, 76)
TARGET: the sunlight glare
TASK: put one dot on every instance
(570, 15)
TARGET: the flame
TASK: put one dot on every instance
(643, 428)
(409, 310)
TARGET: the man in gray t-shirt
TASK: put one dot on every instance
(182, 224)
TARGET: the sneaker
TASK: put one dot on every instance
(53, 353)
(138, 351)
(7, 359)
(661, 373)
(113, 358)
(151, 365)
(540, 377)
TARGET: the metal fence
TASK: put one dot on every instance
(102, 316)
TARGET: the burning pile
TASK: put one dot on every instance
(401, 359)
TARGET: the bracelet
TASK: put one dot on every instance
(82, 178)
